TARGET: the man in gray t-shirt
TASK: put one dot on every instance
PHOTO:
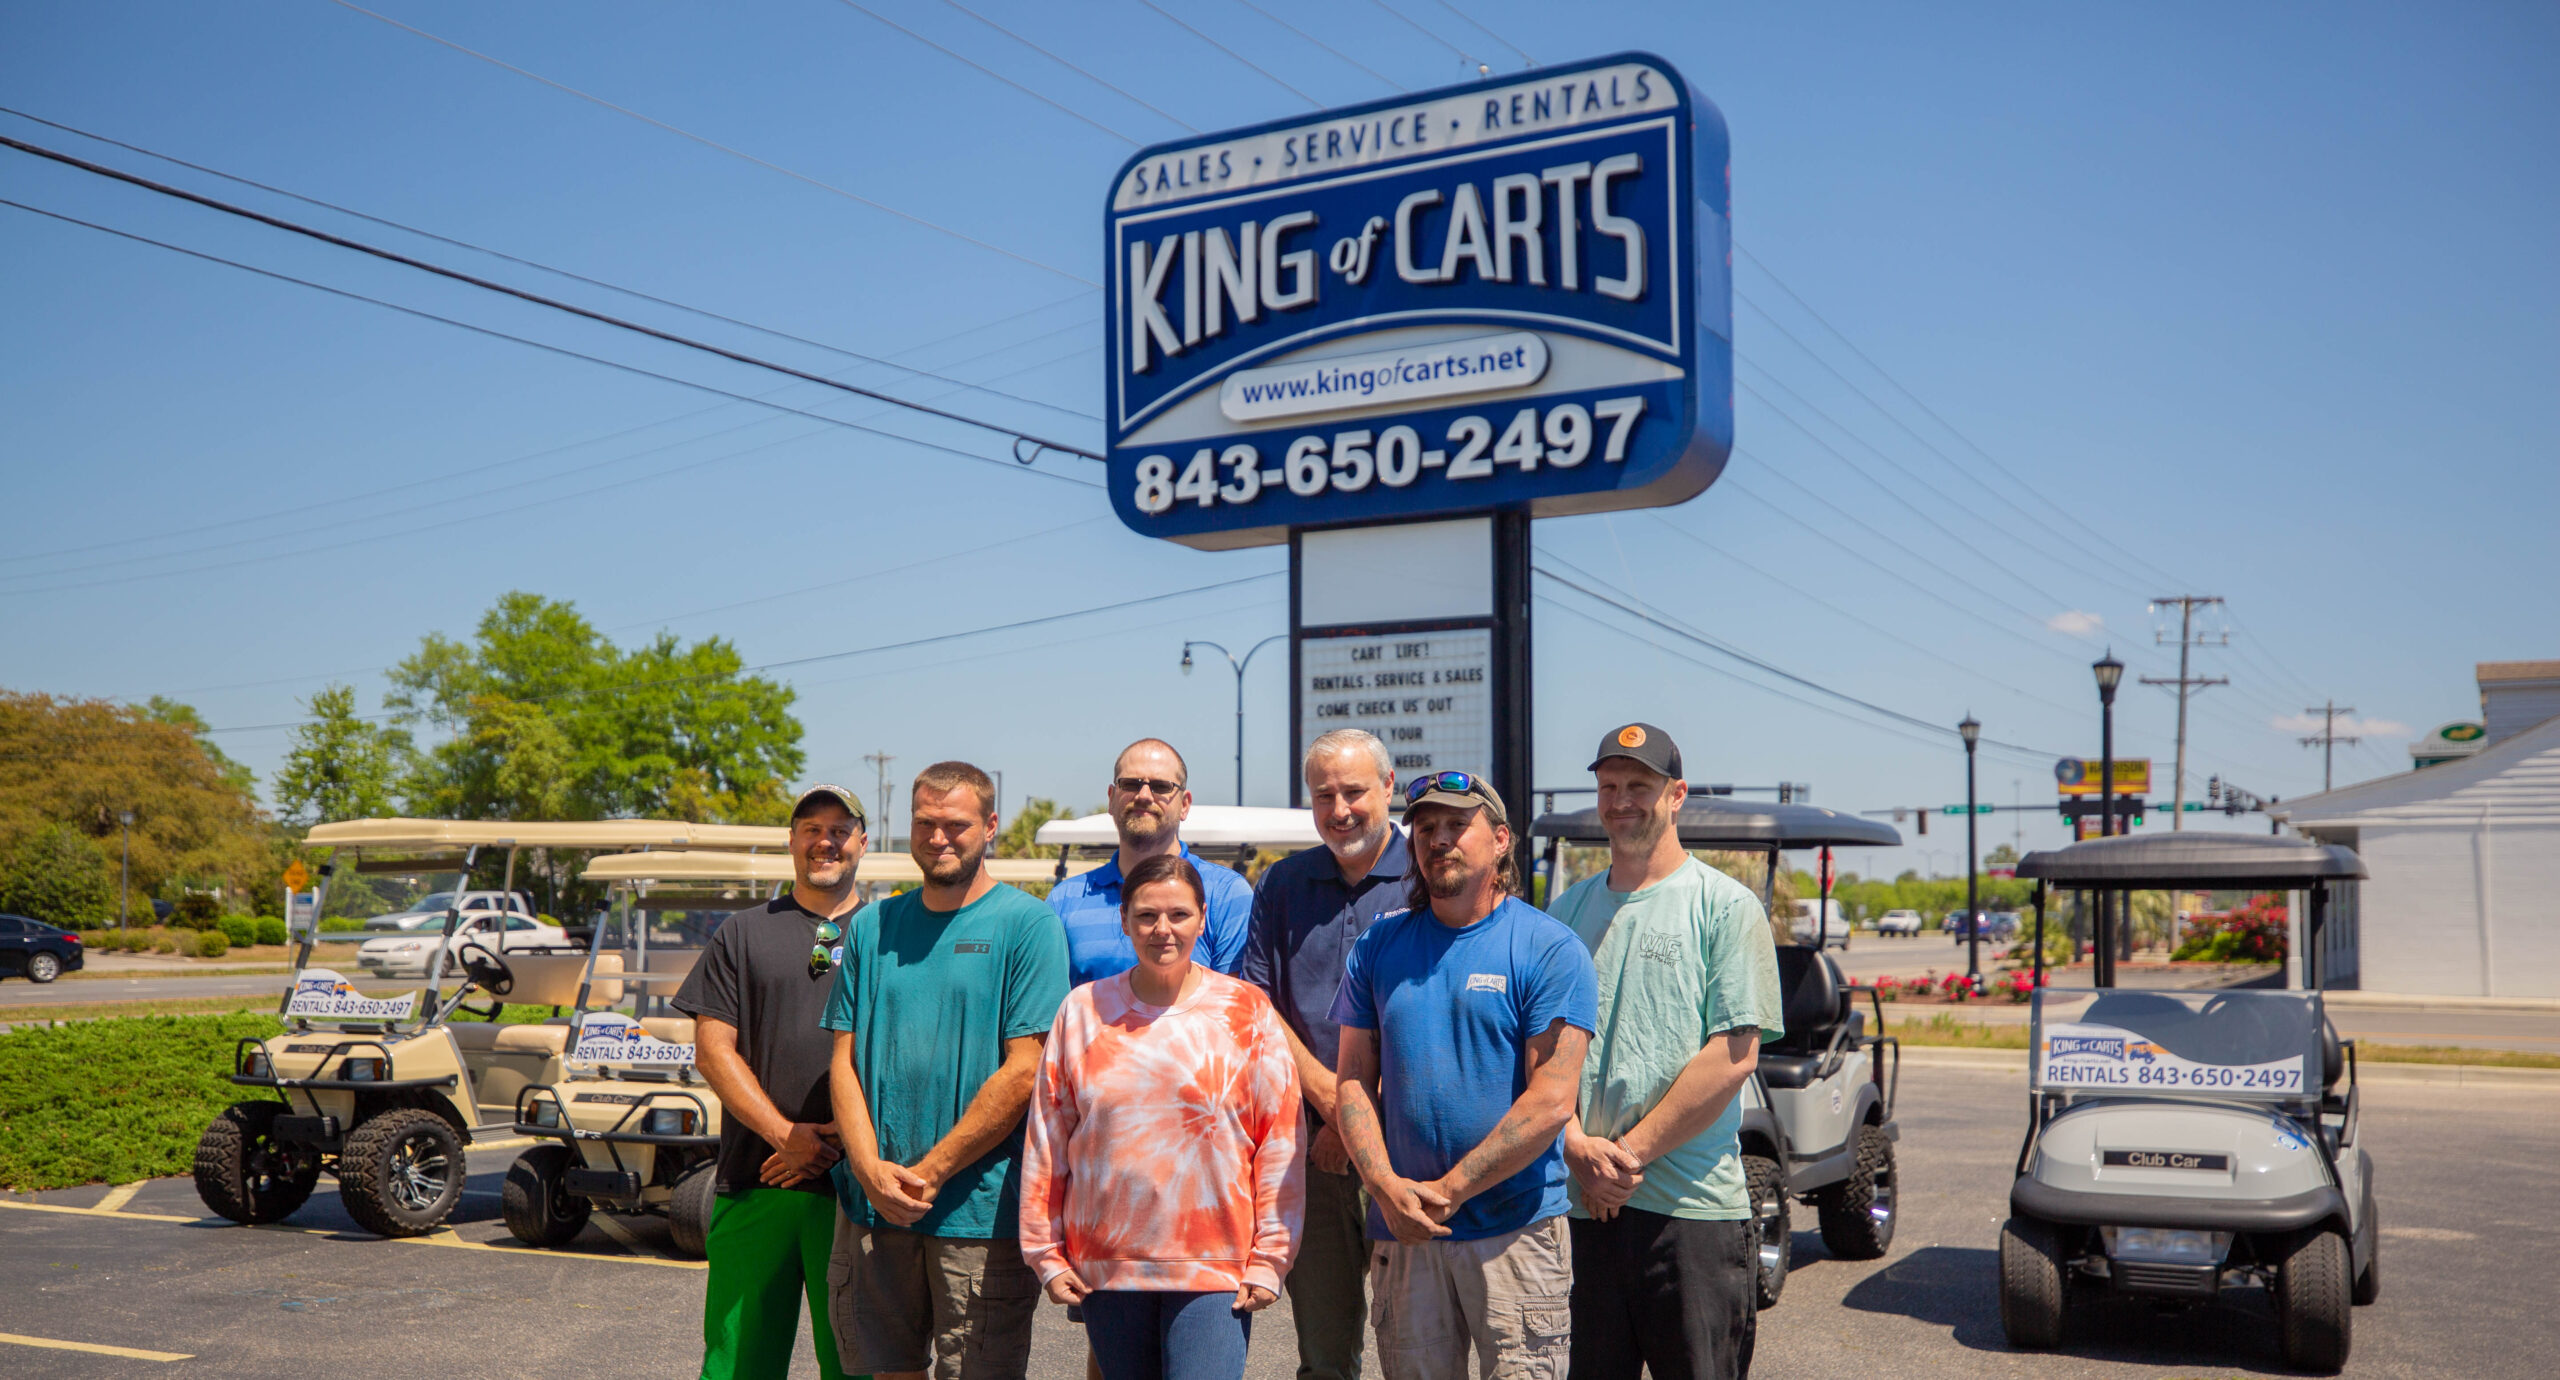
(756, 997)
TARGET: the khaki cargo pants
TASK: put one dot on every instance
(1509, 1296)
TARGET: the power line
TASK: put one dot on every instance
(1402, 18)
(935, 559)
(999, 76)
(719, 147)
(2328, 738)
(537, 299)
(1320, 43)
(548, 268)
(1267, 73)
(1079, 71)
(1525, 59)
(2188, 640)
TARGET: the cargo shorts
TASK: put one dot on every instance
(1510, 1297)
(902, 1301)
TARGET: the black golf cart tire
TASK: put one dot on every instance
(536, 1202)
(43, 967)
(689, 1210)
(2035, 1284)
(1767, 1182)
(228, 1152)
(2314, 1320)
(1850, 1230)
(366, 1168)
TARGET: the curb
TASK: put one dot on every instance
(2419, 1000)
(2457, 1075)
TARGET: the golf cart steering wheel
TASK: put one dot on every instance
(487, 970)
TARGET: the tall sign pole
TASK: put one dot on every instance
(1391, 335)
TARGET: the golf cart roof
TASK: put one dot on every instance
(674, 867)
(519, 833)
(2156, 862)
(1720, 821)
(1208, 826)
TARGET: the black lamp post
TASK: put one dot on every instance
(1972, 732)
(2109, 672)
(1238, 667)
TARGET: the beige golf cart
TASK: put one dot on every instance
(384, 1089)
(632, 1129)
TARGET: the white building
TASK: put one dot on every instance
(2464, 856)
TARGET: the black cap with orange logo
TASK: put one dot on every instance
(1640, 743)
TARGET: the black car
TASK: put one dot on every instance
(36, 951)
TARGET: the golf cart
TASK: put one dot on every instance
(2179, 1143)
(384, 1091)
(1817, 1118)
(1229, 834)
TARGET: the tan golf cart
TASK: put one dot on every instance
(385, 1090)
(632, 1129)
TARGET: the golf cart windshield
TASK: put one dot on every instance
(2257, 1045)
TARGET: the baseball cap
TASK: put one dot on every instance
(832, 794)
(1641, 743)
(1462, 789)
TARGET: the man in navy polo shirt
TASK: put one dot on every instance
(1311, 907)
(1148, 798)
(1464, 1023)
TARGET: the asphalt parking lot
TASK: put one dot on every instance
(2467, 1176)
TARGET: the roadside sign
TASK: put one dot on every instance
(1514, 294)
(2079, 776)
(296, 876)
(302, 911)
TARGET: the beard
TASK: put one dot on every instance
(1139, 826)
(1445, 878)
(950, 870)
(1638, 835)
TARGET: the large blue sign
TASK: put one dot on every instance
(1512, 294)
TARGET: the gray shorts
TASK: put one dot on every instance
(900, 1301)
(1508, 1297)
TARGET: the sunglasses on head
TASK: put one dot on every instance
(822, 959)
(1457, 782)
(1131, 785)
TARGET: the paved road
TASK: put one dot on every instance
(2465, 1177)
(154, 988)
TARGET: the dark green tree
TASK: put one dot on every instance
(340, 767)
(62, 877)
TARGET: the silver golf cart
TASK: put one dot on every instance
(1817, 1118)
(2181, 1143)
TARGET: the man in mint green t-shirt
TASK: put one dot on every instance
(942, 1000)
(1664, 1261)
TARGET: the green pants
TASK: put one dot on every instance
(767, 1248)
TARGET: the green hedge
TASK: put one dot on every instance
(112, 1101)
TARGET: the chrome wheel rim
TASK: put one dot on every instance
(1772, 1248)
(419, 1173)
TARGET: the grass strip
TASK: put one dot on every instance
(114, 1101)
(161, 1006)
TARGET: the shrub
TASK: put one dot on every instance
(240, 930)
(271, 930)
(340, 924)
(183, 943)
(1888, 989)
(212, 944)
(116, 1100)
(2255, 933)
(164, 945)
(2017, 986)
(59, 876)
(1954, 987)
(197, 910)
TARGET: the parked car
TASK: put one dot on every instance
(410, 955)
(36, 951)
(1901, 923)
(1834, 925)
(429, 911)
(1995, 924)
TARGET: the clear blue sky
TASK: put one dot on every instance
(2263, 294)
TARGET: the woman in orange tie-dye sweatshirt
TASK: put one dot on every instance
(1162, 1187)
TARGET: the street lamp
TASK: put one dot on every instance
(2109, 672)
(124, 888)
(1972, 733)
(1238, 667)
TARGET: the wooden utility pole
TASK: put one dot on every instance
(2327, 738)
(2187, 606)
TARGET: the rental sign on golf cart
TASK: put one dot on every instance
(1510, 294)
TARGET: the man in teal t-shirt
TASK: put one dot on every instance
(1664, 1260)
(940, 1007)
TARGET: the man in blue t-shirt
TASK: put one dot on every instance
(1149, 797)
(1464, 1022)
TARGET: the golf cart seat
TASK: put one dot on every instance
(1817, 1005)
(2333, 1059)
(483, 1037)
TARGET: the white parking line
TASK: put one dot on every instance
(130, 1353)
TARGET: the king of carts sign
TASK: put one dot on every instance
(1515, 294)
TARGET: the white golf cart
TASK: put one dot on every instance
(1230, 834)
(2181, 1143)
(370, 1089)
(1817, 1119)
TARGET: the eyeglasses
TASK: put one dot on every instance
(1457, 782)
(822, 960)
(1131, 785)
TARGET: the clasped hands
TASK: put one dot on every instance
(1068, 1287)
(804, 1154)
(1608, 1172)
(901, 1193)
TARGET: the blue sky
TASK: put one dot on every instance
(2256, 302)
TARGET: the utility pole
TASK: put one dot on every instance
(2327, 738)
(880, 764)
(2187, 606)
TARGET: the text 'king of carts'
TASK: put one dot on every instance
(1515, 294)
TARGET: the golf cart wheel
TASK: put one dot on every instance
(43, 968)
(689, 1211)
(2314, 1319)
(400, 1173)
(536, 1201)
(2369, 1279)
(1772, 1236)
(244, 1173)
(1858, 1212)
(2035, 1284)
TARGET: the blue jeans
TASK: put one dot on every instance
(1154, 1334)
